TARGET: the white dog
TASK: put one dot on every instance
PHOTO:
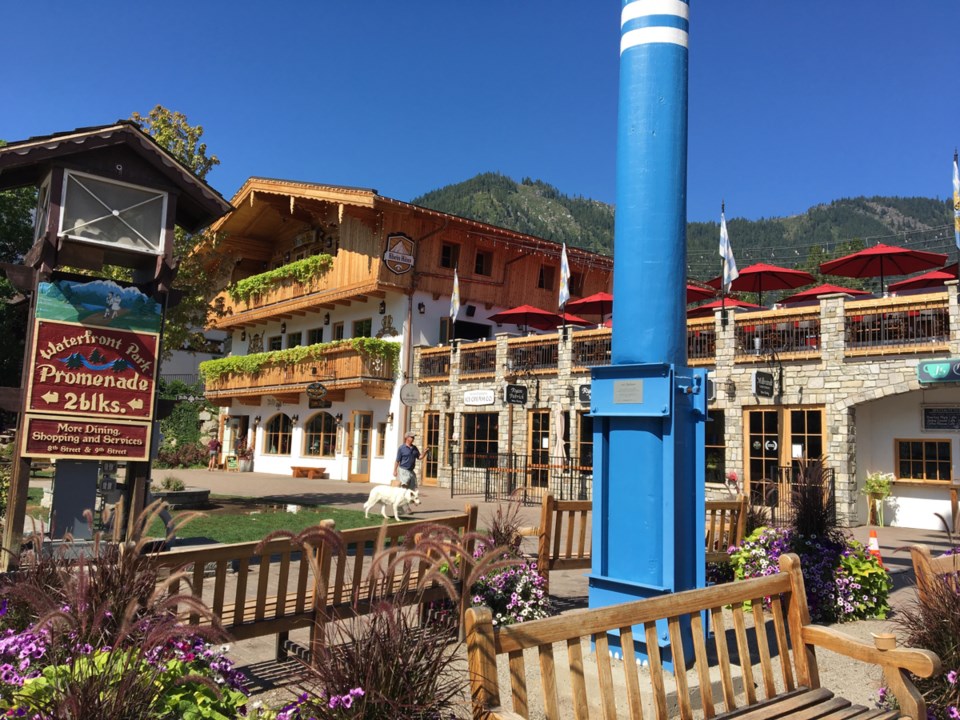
(386, 495)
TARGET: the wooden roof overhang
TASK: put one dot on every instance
(268, 212)
(252, 228)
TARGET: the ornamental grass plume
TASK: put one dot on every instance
(406, 663)
(95, 634)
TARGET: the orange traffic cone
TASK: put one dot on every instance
(874, 547)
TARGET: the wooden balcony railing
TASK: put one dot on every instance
(435, 363)
(789, 333)
(337, 368)
(917, 324)
(538, 352)
(591, 348)
(701, 339)
(478, 358)
(896, 325)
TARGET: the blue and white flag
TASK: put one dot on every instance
(564, 277)
(730, 272)
(455, 298)
(956, 201)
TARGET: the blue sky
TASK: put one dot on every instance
(792, 104)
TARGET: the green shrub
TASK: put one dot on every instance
(302, 271)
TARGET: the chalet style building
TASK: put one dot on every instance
(334, 290)
(340, 341)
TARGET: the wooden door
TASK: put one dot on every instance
(431, 465)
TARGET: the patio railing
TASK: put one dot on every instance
(519, 478)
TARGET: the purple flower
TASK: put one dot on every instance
(952, 677)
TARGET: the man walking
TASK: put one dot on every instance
(405, 466)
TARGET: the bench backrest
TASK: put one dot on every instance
(725, 526)
(679, 617)
(564, 542)
(928, 569)
(265, 589)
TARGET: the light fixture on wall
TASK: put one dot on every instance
(294, 418)
(339, 418)
(313, 370)
(421, 308)
(390, 418)
(256, 420)
(571, 393)
(446, 399)
(383, 307)
(326, 319)
(283, 328)
(243, 335)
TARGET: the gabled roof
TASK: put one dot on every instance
(27, 162)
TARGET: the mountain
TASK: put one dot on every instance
(824, 231)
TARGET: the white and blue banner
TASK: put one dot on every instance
(455, 298)
(564, 278)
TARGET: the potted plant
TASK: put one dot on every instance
(877, 487)
(245, 457)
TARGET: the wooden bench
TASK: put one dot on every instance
(301, 471)
(785, 686)
(726, 526)
(564, 533)
(928, 569)
(260, 589)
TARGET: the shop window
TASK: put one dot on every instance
(275, 343)
(446, 331)
(315, 336)
(480, 439)
(449, 255)
(363, 328)
(715, 448)
(277, 436)
(294, 339)
(320, 436)
(545, 278)
(483, 265)
(585, 441)
(924, 460)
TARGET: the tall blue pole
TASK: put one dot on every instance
(649, 408)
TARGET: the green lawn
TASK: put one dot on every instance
(248, 526)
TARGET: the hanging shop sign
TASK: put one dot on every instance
(316, 391)
(946, 370)
(583, 394)
(84, 439)
(515, 394)
(410, 394)
(479, 397)
(399, 256)
(763, 384)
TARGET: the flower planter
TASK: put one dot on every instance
(187, 499)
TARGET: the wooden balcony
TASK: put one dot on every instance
(290, 297)
(339, 369)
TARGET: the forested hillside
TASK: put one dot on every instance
(824, 231)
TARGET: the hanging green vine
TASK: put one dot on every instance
(303, 271)
(250, 364)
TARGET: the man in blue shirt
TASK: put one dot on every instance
(405, 466)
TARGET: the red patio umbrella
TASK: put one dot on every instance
(814, 293)
(762, 276)
(696, 293)
(930, 279)
(536, 317)
(881, 260)
(600, 303)
(707, 309)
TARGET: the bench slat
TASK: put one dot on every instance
(723, 657)
(703, 666)
(578, 688)
(743, 653)
(766, 669)
(656, 669)
(548, 676)
(605, 673)
(630, 671)
(680, 663)
(518, 685)
(783, 648)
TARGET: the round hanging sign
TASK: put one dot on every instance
(316, 390)
(410, 394)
